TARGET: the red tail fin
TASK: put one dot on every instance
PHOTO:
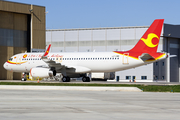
(150, 40)
(47, 51)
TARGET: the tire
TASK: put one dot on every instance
(23, 79)
(86, 79)
(66, 79)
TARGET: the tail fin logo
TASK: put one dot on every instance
(148, 41)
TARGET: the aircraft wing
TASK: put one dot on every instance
(51, 63)
(58, 66)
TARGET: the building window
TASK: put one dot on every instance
(162, 77)
(162, 63)
(143, 77)
(156, 63)
(128, 77)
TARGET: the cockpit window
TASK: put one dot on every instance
(10, 59)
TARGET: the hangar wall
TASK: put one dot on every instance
(169, 69)
(15, 32)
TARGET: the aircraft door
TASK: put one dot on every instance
(125, 58)
(18, 59)
(59, 59)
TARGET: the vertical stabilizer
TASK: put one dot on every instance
(150, 40)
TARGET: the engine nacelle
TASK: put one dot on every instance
(41, 72)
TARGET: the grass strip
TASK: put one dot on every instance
(145, 88)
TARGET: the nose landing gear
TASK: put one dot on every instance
(24, 77)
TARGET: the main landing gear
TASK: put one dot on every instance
(66, 79)
(24, 77)
(86, 79)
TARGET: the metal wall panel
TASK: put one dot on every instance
(57, 36)
(14, 7)
(20, 22)
(85, 35)
(15, 31)
(174, 68)
(99, 34)
(71, 35)
(85, 49)
(3, 59)
(127, 34)
(6, 20)
(114, 34)
(39, 27)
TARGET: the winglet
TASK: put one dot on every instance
(47, 50)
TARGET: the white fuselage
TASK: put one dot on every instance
(94, 61)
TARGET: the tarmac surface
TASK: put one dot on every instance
(98, 82)
(73, 88)
(88, 105)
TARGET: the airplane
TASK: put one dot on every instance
(80, 64)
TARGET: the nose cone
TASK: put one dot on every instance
(5, 65)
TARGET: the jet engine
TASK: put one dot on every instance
(42, 72)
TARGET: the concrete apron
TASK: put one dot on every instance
(80, 88)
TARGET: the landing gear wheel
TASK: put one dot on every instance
(66, 79)
(23, 79)
(86, 79)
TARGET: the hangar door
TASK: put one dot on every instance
(174, 61)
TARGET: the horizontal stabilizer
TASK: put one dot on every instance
(146, 56)
(172, 56)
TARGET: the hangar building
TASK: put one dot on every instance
(22, 28)
(122, 38)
